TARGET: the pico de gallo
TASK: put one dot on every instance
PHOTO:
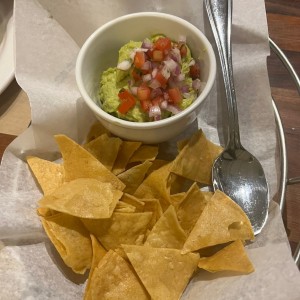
(153, 80)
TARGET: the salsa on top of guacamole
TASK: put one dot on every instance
(154, 79)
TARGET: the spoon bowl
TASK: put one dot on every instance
(236, 171)
(239, 174)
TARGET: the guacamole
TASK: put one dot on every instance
(153, 80)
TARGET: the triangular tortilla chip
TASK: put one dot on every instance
(124, 207)
(121, 228)
(71, 240)
(191, 207)
(153, 205)
(131, 200)
(156, 186)
(196, 158)
(96, 130)
(84, 198)
(105, 149)
(79, 163)
(49, 175)
(221, 221)
(164, 272)
(145, 152)
(231, 258)
(125, 153)
(167, 233)
(114, 278)
(134, 176)
(98, 253)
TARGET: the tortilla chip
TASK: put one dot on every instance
(164, 272)
(114, 278)
(70, 239)
(196, 158)
(96, 130)
(49, 175)
(153, 205)
(221, 221)
(156, 164)
(131, 200)
(79, 163)
(145, 152)
(121, 228)
(124, 207)
(167, 233)
(105, 149)
(134, 176)
(125, 153)
(191, 207)
(176, 199)
(98, 253)
(84, 198)
(156, 186)
(231, 258)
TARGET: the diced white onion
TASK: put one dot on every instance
(173, 109)
(171, 65)
(124, 65)
(192, 62)
(154, 72)
(180, 77)
(154, 84)
(165, 72)
(197, 84)
(164, 104)
(154, 111)
(133, 90)
(146, 77)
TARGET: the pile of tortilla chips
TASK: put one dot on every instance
(140, 225)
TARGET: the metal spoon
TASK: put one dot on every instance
(236, 172)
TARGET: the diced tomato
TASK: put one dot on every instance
(158, 55)
(136, 74)
(195, 71)
(161, 78)
(157, 100)
(143, 92)
(139, 59)
(174, 95)
(183, 50)
(127, 101)
(146, 104)
(163, 43)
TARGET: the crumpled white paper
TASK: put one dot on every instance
(48, 36)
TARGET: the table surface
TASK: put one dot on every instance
(284, 29)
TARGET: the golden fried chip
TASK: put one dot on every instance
(84, 198)
(191, 207)
(96, 130)
(121, 228)
(131, 200)
(49, 175)
(71, 240)
(114, 279)
(125, 153)
(167, 233)
(156, 186)
(79, 163)
(153, 205)
(221, 221)
(98, 253)
(105, 149)
(164, 272)
(145, 152)
(134, 176)
(124, 207)
(145, 205)
(196, 158)
(176, 199)
(156, 164)
(231, 258)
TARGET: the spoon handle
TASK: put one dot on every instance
(220, 17)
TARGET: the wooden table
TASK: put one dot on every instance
(284, 28)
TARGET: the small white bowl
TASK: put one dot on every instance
(100, 51)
